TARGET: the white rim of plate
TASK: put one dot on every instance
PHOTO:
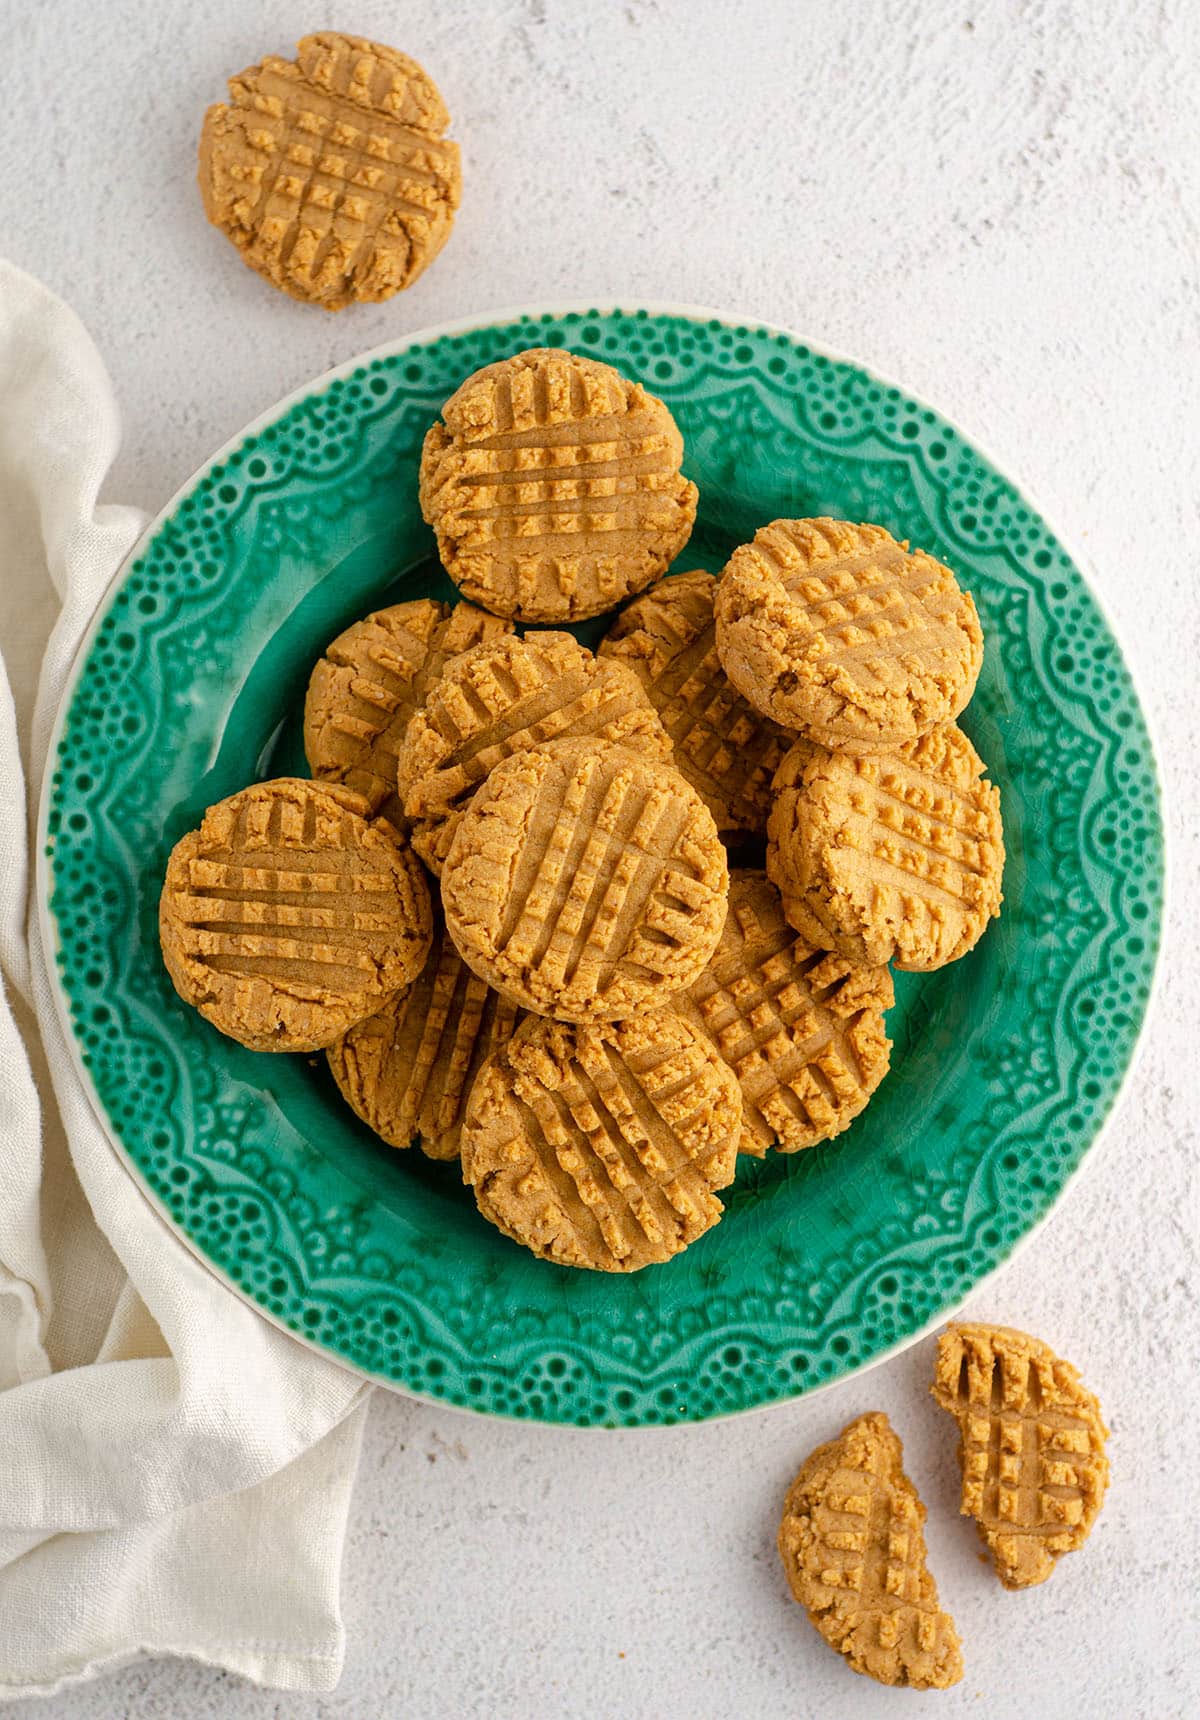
(389, 349)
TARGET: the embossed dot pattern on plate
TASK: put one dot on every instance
(1004, 1066)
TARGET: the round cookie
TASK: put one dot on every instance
(330, 172)
(288, 916)
(586, 881)
(890, 856)
(726, 749)
(852, 1543)
(602, 1146)
(368, 684)
(801, 1029)
(407, 1071)
(553, 485)
(501, 698)
(838, 631)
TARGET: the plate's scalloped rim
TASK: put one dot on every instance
(600, 306)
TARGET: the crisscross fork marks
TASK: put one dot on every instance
(364, 690)
(299, 212)
(1034, 1469)
(330, 185)
(900, 855)
(619, 1159)
(502, 698)
(846, 635)
(944, 849)
(949, 843)
(407, 1070)
(585, 700)
(602, 1146)
(625, 1151)
(801, 1029)
(602, 868)
(554, 485)
(303, 907)
(287, 917)
(854, 1551)
(733, 749)
(609, 881)
(451, 1008)
(1029, 1452)
(785, 1046)
(725, 748)
(664, 1102)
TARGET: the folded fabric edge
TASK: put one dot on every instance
(275, 1666)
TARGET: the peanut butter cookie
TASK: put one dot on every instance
(407, 1071)
(554, 488)
(842, 633)
(1031, 1445)
(288, 916)
(586, 881)
(330, 172)
(371, 679)
(501, 698)
(820, 932)
(801, 1029)
(853, 1549)
(602, 1146)
(890, 856)
(726, 749)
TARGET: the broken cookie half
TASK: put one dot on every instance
(1034, 1471)
(853, 1548)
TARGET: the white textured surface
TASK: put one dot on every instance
(998, 205)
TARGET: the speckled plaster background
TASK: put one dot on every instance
(998, 205)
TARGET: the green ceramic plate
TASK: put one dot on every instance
(1005, 1064)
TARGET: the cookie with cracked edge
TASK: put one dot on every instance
(586, 881)
(289, 915)
(330, 172)
(853, 1550)
(371, 680)
(802, 1029)
(844, 634)
(889, 856)
(602, 1146)
(407, 1071)
(726, 749)
(1031, 1447)
(553, 485)
(498, 699)
(788, 875)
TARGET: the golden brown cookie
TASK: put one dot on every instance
(553, 485)
(889, 856)
(288, 916)
(812, 925)
(499, 699)
(727, 750)
(602, 1146)
(330, 172)
(1031, 1445)
(802, 1030)
(586, 881)
(838, 631)
(407, 1071)
(853, 1548)
(371, 679)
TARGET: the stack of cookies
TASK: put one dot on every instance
(884, 839)
(574, 994)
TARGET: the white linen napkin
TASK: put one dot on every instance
(175, 1473)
